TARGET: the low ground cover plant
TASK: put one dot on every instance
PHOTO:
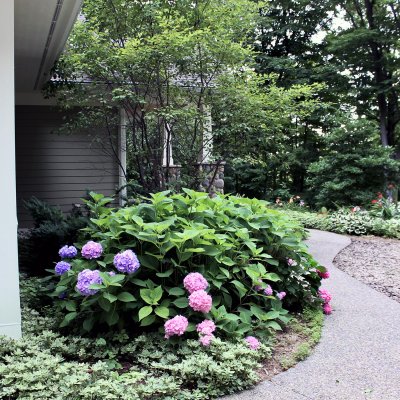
(49, 365)
(346, 221)
(186, 265)
(46, 364)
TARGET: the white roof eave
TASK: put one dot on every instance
(41, 30)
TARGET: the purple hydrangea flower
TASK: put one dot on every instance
(86, 278)
(257, 288)
(126, 262)
(268, 291)
(68, 251)
(92, 250)
(281, 295)
(62, 267)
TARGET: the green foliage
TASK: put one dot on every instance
(347, 222)
(365, 48)
(234, 242)
(352, 167)
(260, 131)
(159, 61)
(52, 229)
(46, 365)
(386, 207)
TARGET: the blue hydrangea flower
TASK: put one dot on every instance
(86, 278)
(126, 262)
(68, 251)
(62, 267)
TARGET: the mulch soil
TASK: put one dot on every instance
(374, 261)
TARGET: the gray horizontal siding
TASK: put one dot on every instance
(58, 169)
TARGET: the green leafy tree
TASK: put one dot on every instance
(366, 49)
(353, 166)
(158, 61)
(260, 130)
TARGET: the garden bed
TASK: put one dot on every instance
(178, 297)
(374, 261)
(49, 365)
(347, 222)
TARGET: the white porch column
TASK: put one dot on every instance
(10, 312)
(123, 120)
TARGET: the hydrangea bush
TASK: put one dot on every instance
(174, 262)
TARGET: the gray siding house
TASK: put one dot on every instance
(58, 169)
(34, 159)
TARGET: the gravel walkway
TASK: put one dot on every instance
(358, 357)
(374, 261)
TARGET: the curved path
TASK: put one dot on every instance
(358, 357)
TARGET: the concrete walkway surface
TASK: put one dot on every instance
(358, 357)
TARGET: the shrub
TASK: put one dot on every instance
(354, 165)
(238, 245)
(39, 247)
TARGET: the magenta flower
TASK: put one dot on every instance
(323, 275)
(252, 342)
(268, 290)
(206, 340)
(325, 295)
(327, 309)
(207, 327)
(281, 295)
(200, 301)
(175, 326)
(92, 250)
(195, 281)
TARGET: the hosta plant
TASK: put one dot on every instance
(174, 261)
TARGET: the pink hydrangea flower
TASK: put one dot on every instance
(323, 275)
(207, 327)
(175, 326)
(281, 295)
(195, 281)
(291, 262)
(92, 250)
(325, 295)
(200, 301)
(252, 342)
(268, 290)
(327, 309)
(206, 340)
